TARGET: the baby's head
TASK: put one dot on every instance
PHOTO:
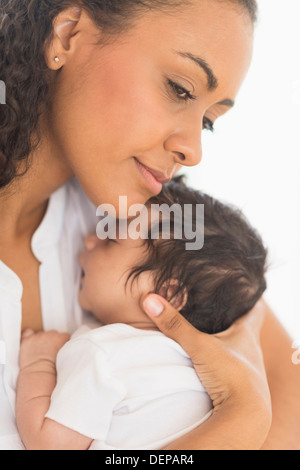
(212, 287)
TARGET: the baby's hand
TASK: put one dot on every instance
(36, 347)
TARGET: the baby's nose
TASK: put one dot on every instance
(90, 242)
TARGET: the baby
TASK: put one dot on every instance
(125, 385)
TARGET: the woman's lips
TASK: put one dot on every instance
(154, 179)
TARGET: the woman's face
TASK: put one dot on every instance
(141, 103)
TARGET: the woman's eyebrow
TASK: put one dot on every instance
(228, 102)
(212, 81)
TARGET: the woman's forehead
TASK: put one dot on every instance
(208, 36)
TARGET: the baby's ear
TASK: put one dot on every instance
(169, 290)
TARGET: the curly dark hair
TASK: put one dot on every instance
(25, 26)
(221, 281)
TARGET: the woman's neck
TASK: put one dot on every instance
(24, 202)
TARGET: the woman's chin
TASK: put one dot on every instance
(124, 206)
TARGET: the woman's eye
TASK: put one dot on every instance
(181, 93)
(184, 95)
(208, 125)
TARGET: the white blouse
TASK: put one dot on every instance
(56, 244)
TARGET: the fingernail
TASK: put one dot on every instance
(153, 306)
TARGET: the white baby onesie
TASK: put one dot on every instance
(127, 388)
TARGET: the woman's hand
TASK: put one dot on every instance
(230, 366)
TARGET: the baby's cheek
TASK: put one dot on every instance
(82, 299)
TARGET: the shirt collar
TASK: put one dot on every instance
(10, 283)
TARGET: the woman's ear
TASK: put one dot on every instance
(65, 27)
(169, 292)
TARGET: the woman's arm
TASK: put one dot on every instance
(284, 382)
(238, 425)
(231, 368)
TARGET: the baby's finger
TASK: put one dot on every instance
(27, 333)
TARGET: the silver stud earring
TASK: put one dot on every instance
(56, 59)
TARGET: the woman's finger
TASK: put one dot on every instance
(228, 364)
(172, 324)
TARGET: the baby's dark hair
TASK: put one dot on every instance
(221, 282)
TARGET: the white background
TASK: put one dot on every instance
(253, 158)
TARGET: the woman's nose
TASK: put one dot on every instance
(187, 153)
(90, 242)
(186, 144)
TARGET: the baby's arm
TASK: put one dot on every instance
(36, 382)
